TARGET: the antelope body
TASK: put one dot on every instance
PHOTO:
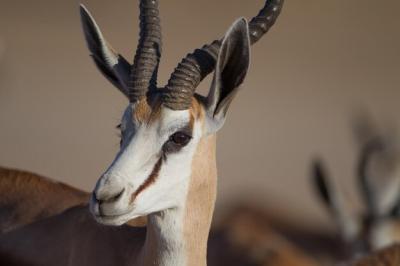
(27, 197)
(71, 238)
(166, 166)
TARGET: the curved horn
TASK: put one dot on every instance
(144, 70)
(196, 66)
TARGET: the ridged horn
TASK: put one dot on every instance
(143, 76)
(182, 84)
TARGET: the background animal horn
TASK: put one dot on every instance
(367, 191)
(196, 66)
(145, 66)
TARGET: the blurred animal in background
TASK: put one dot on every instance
(378, 181)
(250, 236)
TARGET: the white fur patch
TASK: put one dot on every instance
(164, 199)
(135, 162)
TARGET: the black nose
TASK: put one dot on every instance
(105, 197)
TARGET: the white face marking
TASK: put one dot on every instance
(141, 152)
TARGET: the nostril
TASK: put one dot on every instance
(98, 198)
(108, 197)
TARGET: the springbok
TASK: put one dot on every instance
(166, 166)
(379, 181)
(27, 197)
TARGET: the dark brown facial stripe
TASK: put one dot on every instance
(150, 180)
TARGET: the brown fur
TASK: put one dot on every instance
(201, 194)
(197, 110)
(200, 201)
(72, 238)
(27, 197)
(146, 113)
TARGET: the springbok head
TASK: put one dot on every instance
(162, 127)
(378, 176)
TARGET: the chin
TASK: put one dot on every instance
(115, 220)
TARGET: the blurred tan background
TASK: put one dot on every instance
(322, 61)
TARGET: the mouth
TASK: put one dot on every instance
(115, 220)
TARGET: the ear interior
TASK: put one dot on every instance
(230, 71)
(112, 65)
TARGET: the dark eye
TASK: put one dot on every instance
(180, 138)
(176, 142)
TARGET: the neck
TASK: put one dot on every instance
(178, 236)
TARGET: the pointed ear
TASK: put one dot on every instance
(320, 184)
(230, 71)
(334, 202)
(112, 65)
